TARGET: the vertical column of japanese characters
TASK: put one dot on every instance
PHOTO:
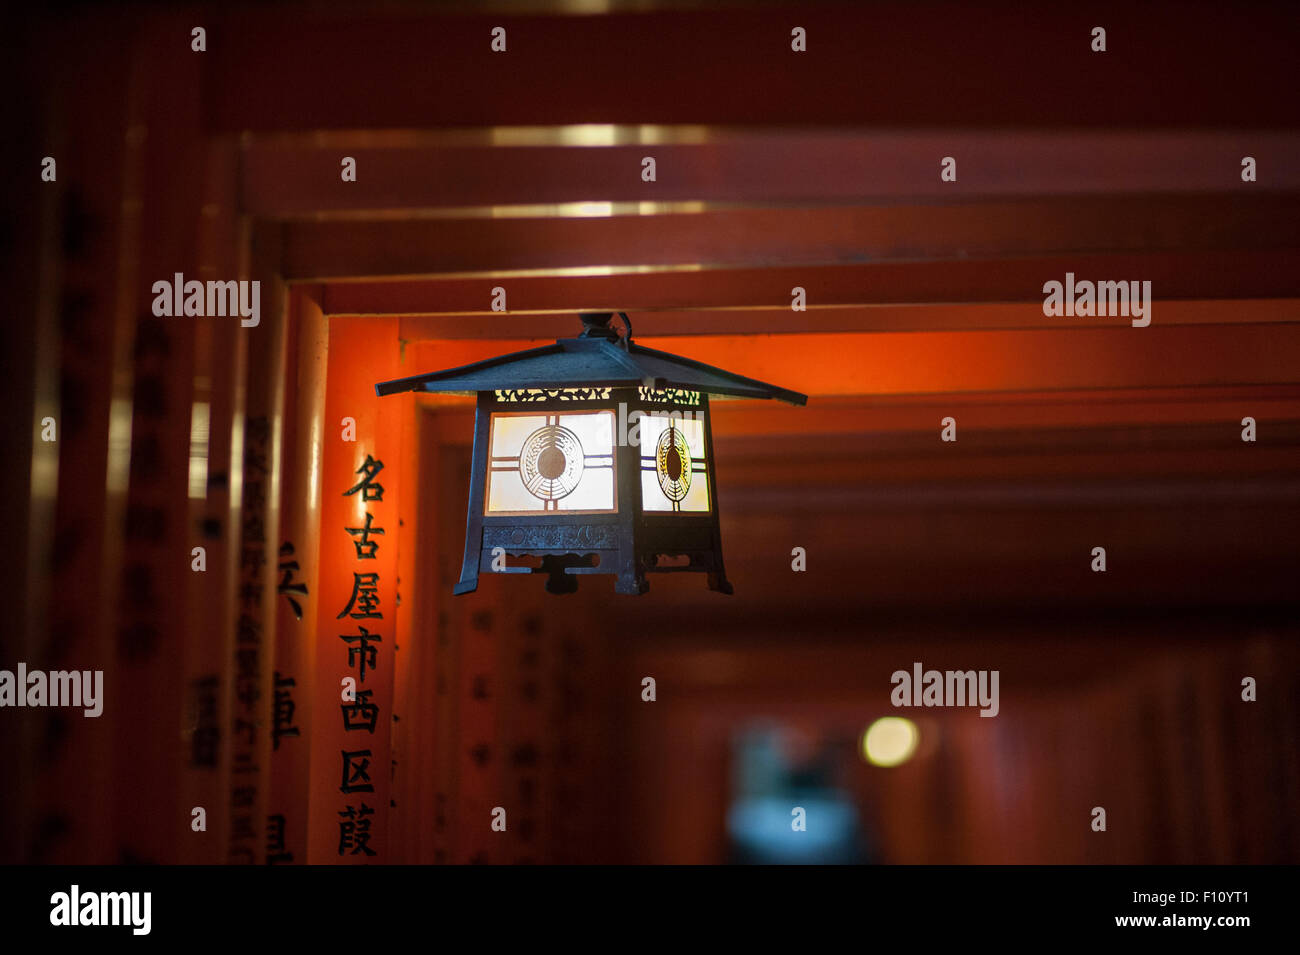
(360, 714)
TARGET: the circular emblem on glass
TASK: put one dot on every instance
(673, 464)
(550, 462)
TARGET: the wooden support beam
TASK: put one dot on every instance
(753, 238)
(1173, 275)
(779, 320)
(895, 363)
(439, 174)
(893, 63)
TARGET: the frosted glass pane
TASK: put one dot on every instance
(652, 499)
(674, 472)
(506, 492)
(509, 432)
(595, 431)
(697, 498)
(691, 428)
(595, 492)
(556, 462)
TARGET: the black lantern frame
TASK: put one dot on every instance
(599, 371)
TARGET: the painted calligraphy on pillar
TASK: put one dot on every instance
(360, 714)
(248, 718)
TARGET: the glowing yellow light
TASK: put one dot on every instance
(890, 741)
(199, 420)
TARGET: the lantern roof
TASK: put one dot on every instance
(598, 358)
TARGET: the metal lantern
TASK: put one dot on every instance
(594, 455)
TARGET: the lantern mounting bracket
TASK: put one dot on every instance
(596, 325)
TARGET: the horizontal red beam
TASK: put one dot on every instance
(755, 238)
(300, 176)
(1187, 275)
(945, 362)
(998, 470)
(893, 64)
(903, 318)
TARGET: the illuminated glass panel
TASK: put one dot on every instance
(674, 472)
(551, 462)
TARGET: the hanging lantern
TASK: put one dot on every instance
(594, 455)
